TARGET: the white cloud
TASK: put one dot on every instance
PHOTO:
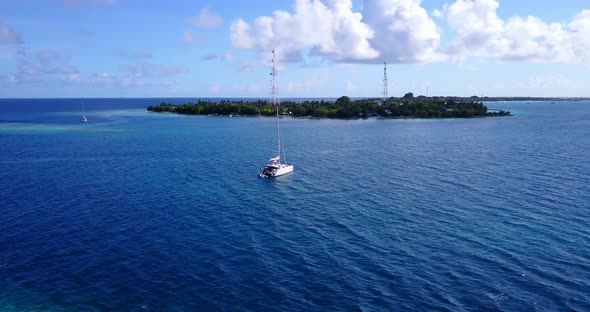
(327, 28)
(240, 35)
(8, 35)
(579, 30)
(404, 33)
(208, 19)
(482, 33)
(437, 13)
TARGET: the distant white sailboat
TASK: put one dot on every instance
(84, 119)
(275, 167)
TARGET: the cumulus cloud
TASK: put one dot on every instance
(207, 19)
(480, 32)
(404, 32)
(9, 36)
(328, 28)
(240, 35)
(397, 31)
(437, 13)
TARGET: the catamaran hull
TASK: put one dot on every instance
(286, 169)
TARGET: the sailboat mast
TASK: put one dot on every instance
(275, 103)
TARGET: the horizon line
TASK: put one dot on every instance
(312, 97)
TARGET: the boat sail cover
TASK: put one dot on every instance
(275, 159)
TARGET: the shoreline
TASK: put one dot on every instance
(329, 118)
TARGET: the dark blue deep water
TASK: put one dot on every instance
(138, 211)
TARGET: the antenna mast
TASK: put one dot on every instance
(384, 94)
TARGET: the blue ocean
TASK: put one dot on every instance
(139, 211)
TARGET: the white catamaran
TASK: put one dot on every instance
(275, 167)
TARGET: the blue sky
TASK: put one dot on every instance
(326, 48)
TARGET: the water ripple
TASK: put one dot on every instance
(165, 213)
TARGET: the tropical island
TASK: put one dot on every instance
(407, 106)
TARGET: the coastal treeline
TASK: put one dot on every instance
(343, 107)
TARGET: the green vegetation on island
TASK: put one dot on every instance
(406, 106)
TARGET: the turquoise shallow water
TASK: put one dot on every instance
(139, 211)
